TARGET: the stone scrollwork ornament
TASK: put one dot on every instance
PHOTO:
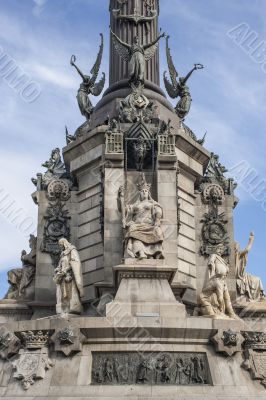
(142, 224)
(214, 232)
(56, 227)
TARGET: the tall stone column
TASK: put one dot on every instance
(126, 30)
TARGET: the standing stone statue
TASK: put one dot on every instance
(142, 223)
(215, 299)
(249, 287)
(89, 85)
(179, 88)
(69, 280)
(137, 55)
(21, 279)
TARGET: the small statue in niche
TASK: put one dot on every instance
(142, 223)
(178, 89)
(137, 55)
(21, 279)
(69, 280)
(89, 85)
(215, 299)
(249, 287)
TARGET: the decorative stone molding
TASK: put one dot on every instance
(68, 340)
(228, 342)
(9, 344)
(56, 227)
(255, 340)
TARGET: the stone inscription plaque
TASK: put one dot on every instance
(109, 368)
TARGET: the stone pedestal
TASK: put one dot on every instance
(144, 290)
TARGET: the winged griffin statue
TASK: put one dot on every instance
(89, 85)
(178, 88)
(137, 55)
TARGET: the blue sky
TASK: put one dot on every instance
(229, 96)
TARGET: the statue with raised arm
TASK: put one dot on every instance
(137, 55)
(249, 287)
(178, 88)
(69, 280)
(215, 299)
(21, 279)
(142, 224)
(89, 85)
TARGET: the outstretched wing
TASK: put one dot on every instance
(98, 87)
(150, 51)
(171, 87)
(121, 49)
(171, 90)
(95, 69)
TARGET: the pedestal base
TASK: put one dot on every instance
(144, 291)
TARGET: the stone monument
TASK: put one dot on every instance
(134, 286)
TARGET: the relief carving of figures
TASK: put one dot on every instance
(215, 299)
(249, 287)
(21, 280)
(69, 280)
(137, 55)
(56, 169)
(89, 85)
(150, 369)
(142, 224)
(179, 88)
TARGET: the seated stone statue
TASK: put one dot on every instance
(215, 299)
(142, 221)
(249, 287)
(69, 280)
(21, 279)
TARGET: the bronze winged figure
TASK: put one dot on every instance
(89, 85)
(178, 88)
(137, 55)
